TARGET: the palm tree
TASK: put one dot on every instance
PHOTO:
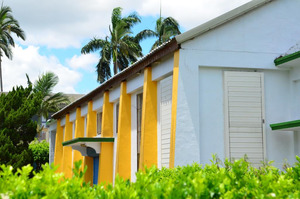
(120, 46)
(52, 102)
(165, 29)
(8, 25)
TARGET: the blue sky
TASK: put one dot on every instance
(56, 31)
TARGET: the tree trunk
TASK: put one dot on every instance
(115, 68)
(1, 82)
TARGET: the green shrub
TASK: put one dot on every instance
(17, 129)
(40, 151)
(217, 180)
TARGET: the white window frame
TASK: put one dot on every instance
(99, 112)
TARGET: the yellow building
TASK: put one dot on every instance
(124, 124)
(228, 87)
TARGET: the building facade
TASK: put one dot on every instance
(226, 87)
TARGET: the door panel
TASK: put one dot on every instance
(244, 112)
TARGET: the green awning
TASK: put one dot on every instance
(286, 126)
(287, 58)
(87, 146)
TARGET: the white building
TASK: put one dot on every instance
(215, 89)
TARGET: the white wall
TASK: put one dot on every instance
(211, 114)
(253, 40)
(280, 144)
(250, 42)
(187, 118)
(208, 139)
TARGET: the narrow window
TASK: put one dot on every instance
(73, 130)
(99, 123)
(139, 125)
(85, 126)
(117, 117)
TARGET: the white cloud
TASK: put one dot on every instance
(69, 24)
(86, 62)
(29, 61)
(61, 24)
(189, 13)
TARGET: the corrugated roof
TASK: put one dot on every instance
(128, 72)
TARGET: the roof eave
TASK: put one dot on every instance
(147, 60)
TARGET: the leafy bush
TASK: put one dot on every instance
(217, 180)
(17, 129)
(40, 151)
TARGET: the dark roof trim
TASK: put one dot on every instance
(287, 58)
(145, 61)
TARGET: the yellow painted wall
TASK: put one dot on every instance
(174, 108)
(148, 156)
(67, 150)
(91, 131)
(106, 154)
(123, 160)
(88, 176)
(79, 132)
(58, 154)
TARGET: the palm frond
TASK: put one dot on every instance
(52, 102)
(103, 66)
(144, 34)
(116, 16)
(131, 20)
(8, 25)
(93, 45)
(119, 47)
(155, 45)
(6, 49)
(45, 83)
(29, 83)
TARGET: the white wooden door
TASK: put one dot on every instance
(244, 116)
(165, 119)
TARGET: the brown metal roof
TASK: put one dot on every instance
(145, 61)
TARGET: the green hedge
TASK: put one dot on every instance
(40, 151)
(217, 180)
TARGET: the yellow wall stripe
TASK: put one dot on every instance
(88, 176)
(91, 131)
(79, 132)
(148, 149)
(123, 160)
(106, 154)
(174, 108)
(67, 150)
(58, 154)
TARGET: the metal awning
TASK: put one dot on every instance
(286, 126)
(289, 60)
(87, 146)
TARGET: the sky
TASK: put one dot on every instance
(56, 31)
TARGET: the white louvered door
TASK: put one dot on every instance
(165, 119)
(244, 115)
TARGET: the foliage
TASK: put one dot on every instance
(40, 151)
(165, 29)
(17, 129)
(120, 47)
(8, 25)
(217, 180)
(52, 102)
